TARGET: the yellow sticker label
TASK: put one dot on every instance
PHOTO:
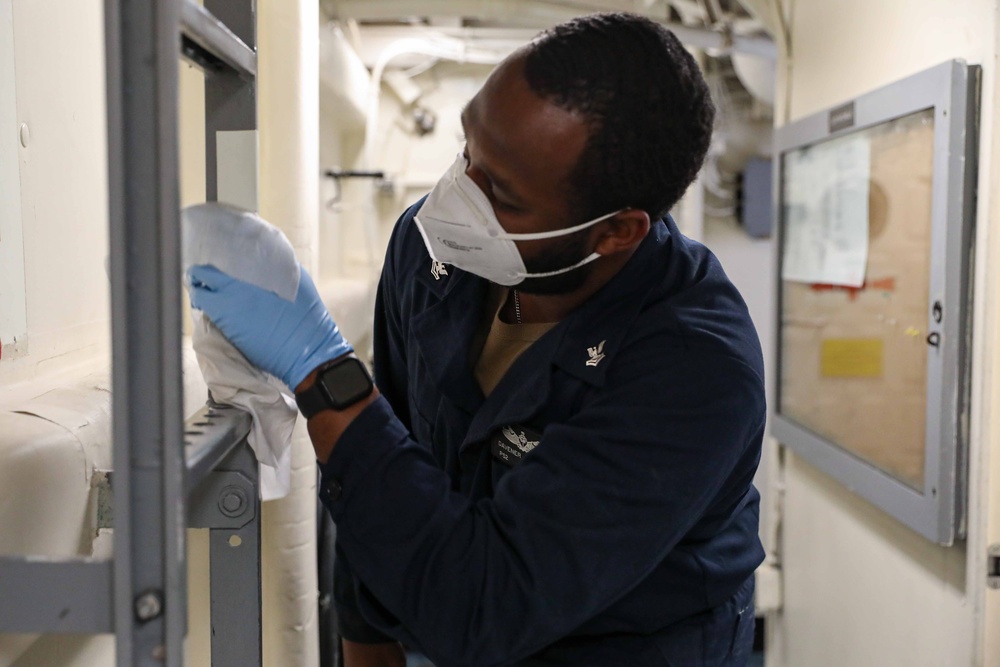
(852, 357)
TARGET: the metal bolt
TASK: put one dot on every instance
(233, 501)
(148, 606)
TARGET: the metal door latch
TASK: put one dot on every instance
(993, 566)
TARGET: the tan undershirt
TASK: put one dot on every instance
(504, 344)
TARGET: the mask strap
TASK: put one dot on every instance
(553, 234)
(586, 260)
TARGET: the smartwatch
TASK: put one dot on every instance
(338, 386)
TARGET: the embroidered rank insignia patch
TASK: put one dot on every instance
(596, 354)
(513, 442)
(438, 269)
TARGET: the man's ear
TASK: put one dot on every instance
(623, 233)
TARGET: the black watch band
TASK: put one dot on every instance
(338, 386)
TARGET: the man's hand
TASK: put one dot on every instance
(286, 339)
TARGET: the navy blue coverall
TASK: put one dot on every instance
(596, 509)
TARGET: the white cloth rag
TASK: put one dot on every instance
(246, 247)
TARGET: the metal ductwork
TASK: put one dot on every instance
(716, 26)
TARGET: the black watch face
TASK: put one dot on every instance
(347, 383)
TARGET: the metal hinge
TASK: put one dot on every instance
(993, 566)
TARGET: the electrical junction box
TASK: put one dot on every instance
(757, 208)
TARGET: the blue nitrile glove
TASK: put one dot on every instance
(288, 340)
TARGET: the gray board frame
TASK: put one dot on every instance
(937, 511)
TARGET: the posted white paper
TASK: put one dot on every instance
(826, 212)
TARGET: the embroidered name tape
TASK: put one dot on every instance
(512, 443)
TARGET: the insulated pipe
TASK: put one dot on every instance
(454, 51)
(288, 118)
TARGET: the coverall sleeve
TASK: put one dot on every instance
(585, 516)
(387, 343)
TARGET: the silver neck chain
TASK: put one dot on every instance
(517, 307)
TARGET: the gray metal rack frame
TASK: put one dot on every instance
(168, 474)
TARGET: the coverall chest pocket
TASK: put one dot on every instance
(421, 429)
(423, 398)
(424, 405)
(435, 422)
(508, 445)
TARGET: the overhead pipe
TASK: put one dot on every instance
(455, 51)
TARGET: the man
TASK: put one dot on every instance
(556, 467)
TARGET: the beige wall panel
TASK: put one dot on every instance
(59, 59)
(861, 589)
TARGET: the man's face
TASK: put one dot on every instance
(521, 151)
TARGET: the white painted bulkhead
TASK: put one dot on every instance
(860, 589)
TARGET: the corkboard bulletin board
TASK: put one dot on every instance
(853, 365)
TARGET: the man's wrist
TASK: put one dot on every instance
(327, 425)
(338, 385)
(310, 379)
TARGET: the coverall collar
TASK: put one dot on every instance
(583, 345)
(444, 332)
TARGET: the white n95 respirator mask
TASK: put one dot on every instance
(460, 228)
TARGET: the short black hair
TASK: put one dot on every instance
(646, 102)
